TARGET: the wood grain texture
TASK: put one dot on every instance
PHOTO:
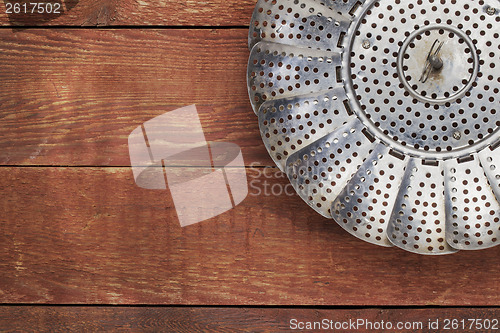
(86, 234)
(90, 235)
(193, 319)
(72, 97)
(138, 13)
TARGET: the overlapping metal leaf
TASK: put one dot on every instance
(387, 167)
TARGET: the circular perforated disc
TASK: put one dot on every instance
(384, 115)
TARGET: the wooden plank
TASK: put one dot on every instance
(137, 13)
(91, 236)
(193, 319)
(72, 97)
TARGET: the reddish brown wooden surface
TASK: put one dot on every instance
(72, 97)
(90, 235)
(172, 319)
(130, 12)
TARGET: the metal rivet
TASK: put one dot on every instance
(366, 44)
(457, 135)
(491, 11)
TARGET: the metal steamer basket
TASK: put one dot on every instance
(384, 115)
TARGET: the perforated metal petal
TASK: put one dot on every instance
(320, 171)
(278, 71)
(418, 219)
(289, 124)
(365, 205)
(472, 210)
(408, 152)
(490, 161)
(307, 23)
